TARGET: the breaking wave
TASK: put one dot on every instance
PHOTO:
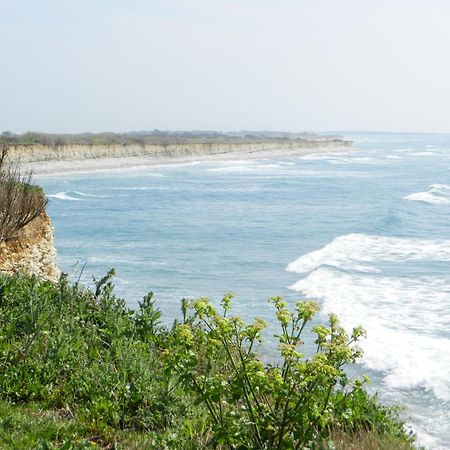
(63, 196)
(356, 251)
(407, 318)
(74, 195)
(437, 194)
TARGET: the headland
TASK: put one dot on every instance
(48, 155)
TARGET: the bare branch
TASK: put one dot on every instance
(20, 201)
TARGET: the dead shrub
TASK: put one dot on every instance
(20, 201)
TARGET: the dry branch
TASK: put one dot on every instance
(20, 201)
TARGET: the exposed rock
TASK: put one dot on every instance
(38, 152)
(31, 251)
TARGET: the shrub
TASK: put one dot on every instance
(290, 405)
(197, 384)
(20, 201)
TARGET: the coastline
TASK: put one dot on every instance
(57, 167)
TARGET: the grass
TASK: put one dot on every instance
(32, 426)
(368, 440)
(78, 369)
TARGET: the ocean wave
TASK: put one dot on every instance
(357, 251)
(62, 196)
(437, 194)
(316, 157)
(349, 161)
(232, 169)
(82, 194)
(363, 159)
(411, 314)
(143, 188)
(397, 313)
(424, 153)
(423, 300)
(407, 318)
(244, 168)
(123, 261)
(74, 195)
(338, 158)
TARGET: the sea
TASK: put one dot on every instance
(365, 232)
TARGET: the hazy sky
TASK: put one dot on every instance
(95, 65)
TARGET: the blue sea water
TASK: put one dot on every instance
(366, 233)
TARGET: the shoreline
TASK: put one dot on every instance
(60, 167)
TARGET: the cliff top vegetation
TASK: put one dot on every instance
(151, 137)
(80, 370)
(20, 200)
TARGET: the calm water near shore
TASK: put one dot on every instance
(366, 233)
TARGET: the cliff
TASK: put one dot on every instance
(173, 149)
(31, 251)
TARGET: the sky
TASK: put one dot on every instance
(290, 65)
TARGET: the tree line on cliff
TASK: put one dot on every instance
(149, 137)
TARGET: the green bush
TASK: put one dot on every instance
(197, 384)
(293, 404)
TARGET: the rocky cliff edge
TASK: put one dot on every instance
(31, 250)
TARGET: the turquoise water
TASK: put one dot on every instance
(366, 233)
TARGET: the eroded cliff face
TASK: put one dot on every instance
(37, 152)
(31, 251)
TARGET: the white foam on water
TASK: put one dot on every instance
(425, 440)
(425, 421)
(314, 157)
(82, 194)
(62, 196)
(407, 318)
(441, 187)
(364, 159)
(327, 173)
(155, 175)
(397, 314)
(113, 259)
(334, 158)
(339, 161)
(427, 197)
(424, 153)
(238, 162)
(75, 195)
(357, 251)
(437, 194)
(269, 166)
(232, 169)
(245, 168)
(349, 161)
(143, 188)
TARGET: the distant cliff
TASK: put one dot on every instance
(176, 149)
(31, 251)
